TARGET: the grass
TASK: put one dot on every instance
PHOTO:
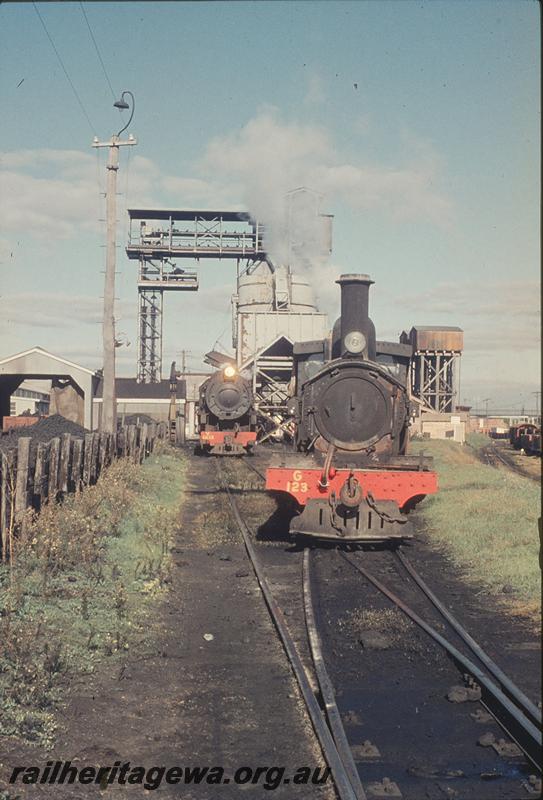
(81, 586)
(486, 519)
(478, 440)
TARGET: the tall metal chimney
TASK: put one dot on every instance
(357, 329)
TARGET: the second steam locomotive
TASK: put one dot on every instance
(226, 414)
(351, 477)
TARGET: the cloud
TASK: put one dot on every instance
(52, 208)
(501, 327)
(268, 157)
(479, 298)
(56, 310)
(64, 161)
(363, 123)
(56, 194)
(404, 193)
(315, 94)
(499, 316)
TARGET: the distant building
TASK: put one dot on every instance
(133, 398)
(24, 399)
(72, 386)
(431, 425)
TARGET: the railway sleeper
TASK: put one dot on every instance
(384, 788)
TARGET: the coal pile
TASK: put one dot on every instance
(42, 431)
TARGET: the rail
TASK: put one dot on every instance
(514, 721)
(516, 695)
(325, 684)
(340, 772)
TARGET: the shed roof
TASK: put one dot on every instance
(436, 328)
(129, 388)
(188, 214)
(216, 359)
(5, 362)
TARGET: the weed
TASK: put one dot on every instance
(485, 519)
(72, 593)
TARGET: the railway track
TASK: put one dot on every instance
(340, 762)
(494, 458)
(519, 718)
(512, 710)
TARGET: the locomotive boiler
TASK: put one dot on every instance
(226, 414)
(351, 477)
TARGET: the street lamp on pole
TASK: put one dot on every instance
(122, 105)
(109, 403)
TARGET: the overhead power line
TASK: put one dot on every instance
(97, 50)
(83, 109)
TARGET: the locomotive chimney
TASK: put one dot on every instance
(357, 329)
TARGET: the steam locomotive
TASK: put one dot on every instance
(226, 414)
(350, 476)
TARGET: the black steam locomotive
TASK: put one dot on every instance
(351, 477)
(226, 414)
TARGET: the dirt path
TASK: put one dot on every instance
(191, 700)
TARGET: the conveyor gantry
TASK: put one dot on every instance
(157, 237)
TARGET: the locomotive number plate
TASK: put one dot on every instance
(297, 484)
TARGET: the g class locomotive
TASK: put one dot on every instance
(226, 414)
(351, 477)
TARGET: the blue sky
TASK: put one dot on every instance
(418, 121)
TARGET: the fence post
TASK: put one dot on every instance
(54, 453)
(64, 462)
(112, 448)
(21, 483)
(40, 470)
(143, 442)
(76, 464)
(152, 436)
(102, 452)
(7, 496)
(180, 429)
(121, 442)
(137, 446)
(94, 456)
(131, 448)
(87, 459)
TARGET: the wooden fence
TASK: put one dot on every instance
(30, 477)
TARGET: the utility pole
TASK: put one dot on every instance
(536, 403)
(109, 401)
(485, 401)
(184, 354)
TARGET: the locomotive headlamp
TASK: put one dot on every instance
(355, 342)
(229, 371)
